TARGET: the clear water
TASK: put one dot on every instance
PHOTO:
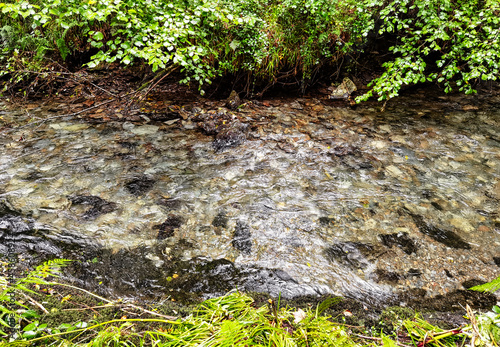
(317, 188)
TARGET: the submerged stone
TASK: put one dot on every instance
(402, 240)
(351, 254)
(220, 221)
(140, 185)
(98, 206)
(241, 239)
(455, 301)
(326, 221)
(206, 276)
(413, 273)
(20, 235)
(168, 227)
(472, 283)
(446, 237)
(15, 225)
(228, 137)
(496, 260)
(387, 276)
(170, 203)
(145, 130)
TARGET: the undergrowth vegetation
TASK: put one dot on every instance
(268, 43)
(230, 320)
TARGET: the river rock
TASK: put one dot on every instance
(140, 185)
(446, 237)
(233, 101)
(168, 227)
(352, 254)
(76, 127)
(496, 190)
(394, 171)
(462, 224)
(343, 90)
(230, 136)
(401, 240)
(241, 239)
(379, 144)
(145, 130)
(98, 206)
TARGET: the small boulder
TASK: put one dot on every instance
(343, 91)
(233, 101)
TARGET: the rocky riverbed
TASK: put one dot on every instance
(291, 196)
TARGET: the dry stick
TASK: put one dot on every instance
(81, 111)
(473, 323)
(154, 85)
(153, 313)
(101, 324)
(87, 308)
(34, 302)
(71, 78)
(91, 107)
(64, 115)
(95, 85)
(73, 114)
(82, 290)
(377, 339)
(112, 302)
(126, 305)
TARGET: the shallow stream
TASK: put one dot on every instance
(317, 199)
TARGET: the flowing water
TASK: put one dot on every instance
(317, 199)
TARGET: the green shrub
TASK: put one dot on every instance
(448, 42)
(438, 41)
(205, 38)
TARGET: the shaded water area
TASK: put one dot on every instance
(296, 197)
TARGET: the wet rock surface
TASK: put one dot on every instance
(353, 254)
(140, 185)
(401, 240)
(97, 205)
(229, 131)
(319, 198)
(446, 237)
(168, 227)
(241, 239)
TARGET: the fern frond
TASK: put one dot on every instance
(48, 268)
(491, 287)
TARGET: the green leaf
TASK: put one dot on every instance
(98, 36)
(387, 342)
(31, 326)
(30, 334)
(30, 314)
(492, 286)
(81, 325)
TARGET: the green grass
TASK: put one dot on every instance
(230, 320)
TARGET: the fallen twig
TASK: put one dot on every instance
(34, 302)
(151, 312)
(377, 339)
(82, 290)
(172, 69)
